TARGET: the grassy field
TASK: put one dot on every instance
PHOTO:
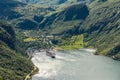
(75, 42)
(0, 78)
(29, 39)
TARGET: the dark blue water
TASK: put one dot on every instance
(76, 65)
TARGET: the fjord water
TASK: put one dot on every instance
(76, 65)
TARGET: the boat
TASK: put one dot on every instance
(50, 52)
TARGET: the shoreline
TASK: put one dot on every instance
(92, 50)
(33, 72)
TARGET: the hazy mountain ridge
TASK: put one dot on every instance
(44, 1)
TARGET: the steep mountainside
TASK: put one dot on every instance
(102, 27)
(6, 9)
(12, 65)
(9, 35)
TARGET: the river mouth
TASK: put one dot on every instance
(75, 65)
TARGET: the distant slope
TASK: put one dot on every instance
(12, 65)
(44, 1)
(6, 9)
(66, 19)
(102, 27)
(56, 4)
(19, 13)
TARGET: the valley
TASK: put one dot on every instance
(94, 23)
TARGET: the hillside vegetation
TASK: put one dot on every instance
(12, 65)
(102, 27)
(7, 9)
(67, 19)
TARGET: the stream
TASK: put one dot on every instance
(75, 65)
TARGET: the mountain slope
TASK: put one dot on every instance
(64, 20)
(12, 65)
(6, 8)
(102, 27)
